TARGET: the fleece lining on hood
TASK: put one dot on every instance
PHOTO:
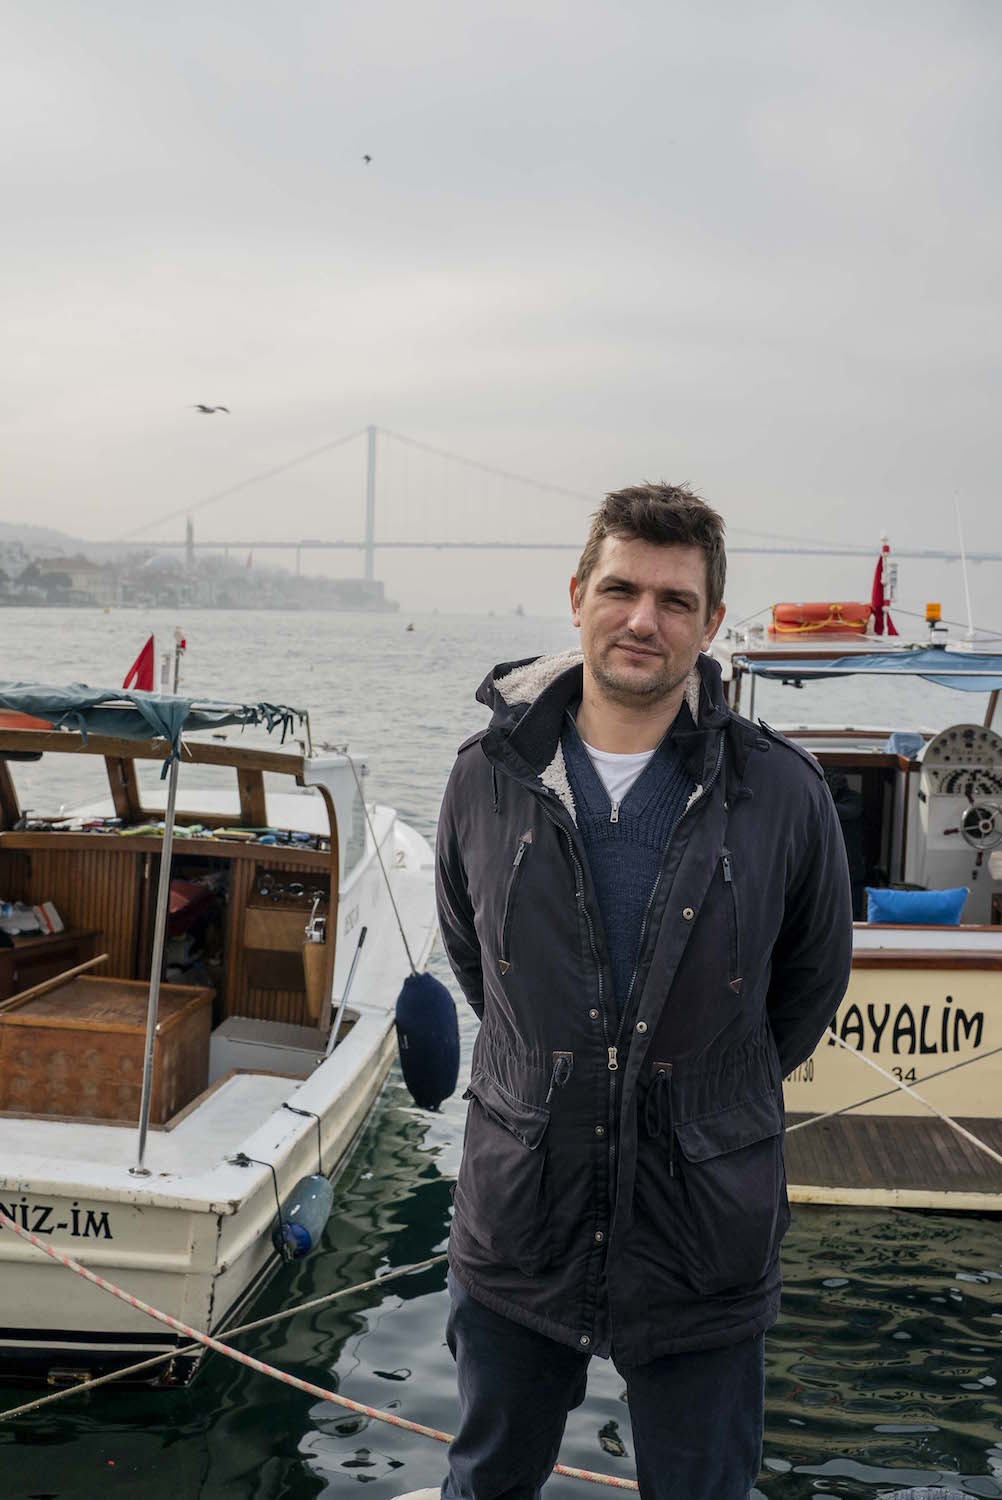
(518, 686)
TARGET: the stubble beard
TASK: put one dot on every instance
(629, 691)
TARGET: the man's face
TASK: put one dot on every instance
(642, 617)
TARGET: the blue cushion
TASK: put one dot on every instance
(942, 907)
(904, 742)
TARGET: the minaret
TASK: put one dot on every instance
(189, 544)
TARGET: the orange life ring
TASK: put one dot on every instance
(820, 619)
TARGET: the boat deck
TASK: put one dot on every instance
(898, 1162)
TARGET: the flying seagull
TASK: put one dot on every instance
(207, 411)
(367, 159)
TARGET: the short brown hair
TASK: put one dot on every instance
(668, 514)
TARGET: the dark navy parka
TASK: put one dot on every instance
(622, 1186)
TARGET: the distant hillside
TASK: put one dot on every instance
(40, 538)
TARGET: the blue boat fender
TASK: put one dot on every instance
(303, 1217)
(428, 1039)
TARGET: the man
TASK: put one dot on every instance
(645, 899)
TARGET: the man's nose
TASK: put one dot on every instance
(643, 617)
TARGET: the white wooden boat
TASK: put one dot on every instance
(135, 1171)
(923, 811)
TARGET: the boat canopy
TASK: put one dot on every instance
(133, 715)
(970, 672)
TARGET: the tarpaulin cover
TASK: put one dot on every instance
(132, 715)
(970, 672)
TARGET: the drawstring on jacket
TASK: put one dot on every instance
(658, 1095)
(563, 1067)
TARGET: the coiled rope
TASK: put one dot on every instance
(256, 1364)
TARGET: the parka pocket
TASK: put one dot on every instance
(499, 1192)
(504, 957)
(734, 1181)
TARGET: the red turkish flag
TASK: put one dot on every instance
(140, 674)
(877, 602)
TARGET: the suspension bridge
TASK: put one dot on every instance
(447, 495)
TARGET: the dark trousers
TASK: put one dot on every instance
(697, 1418)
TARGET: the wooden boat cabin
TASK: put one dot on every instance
(254, 859)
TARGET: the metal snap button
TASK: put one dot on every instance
(593, 1015)
(641, 1027)
(600, 1130)
(584, 1340)
(688, 913)
(599, 1236)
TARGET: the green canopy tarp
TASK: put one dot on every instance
(123, 713)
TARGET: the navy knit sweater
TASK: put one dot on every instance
(625, 857)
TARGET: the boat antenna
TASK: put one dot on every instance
(963, 564)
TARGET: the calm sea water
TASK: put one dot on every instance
(885, 1369)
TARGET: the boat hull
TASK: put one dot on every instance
(935, 1027)
(206, 1268)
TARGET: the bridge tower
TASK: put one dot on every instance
(189, 544)
(370, 508)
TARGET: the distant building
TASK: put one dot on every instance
(84, 582)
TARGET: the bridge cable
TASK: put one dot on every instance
(243, 484)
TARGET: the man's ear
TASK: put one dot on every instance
(713, 624)
(575, 602)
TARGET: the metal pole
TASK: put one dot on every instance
(370, 507)
(159, 933)
(332, 1039)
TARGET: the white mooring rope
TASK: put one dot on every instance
(611, 1480)
(907, 1089)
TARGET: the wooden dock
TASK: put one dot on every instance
(900, 1162)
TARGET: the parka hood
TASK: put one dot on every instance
(528, 699)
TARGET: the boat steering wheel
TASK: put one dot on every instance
(981, 825)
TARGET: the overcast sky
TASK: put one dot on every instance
(756, 246)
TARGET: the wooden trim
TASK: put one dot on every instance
(860, 760)
(926, 927)
(124, 788)
(193, 752)
(220, 848)
(969, 1202)
(250, 784)
(925, 958)
(9, 809)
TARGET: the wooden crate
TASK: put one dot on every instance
(78, 1050)
(32, 959)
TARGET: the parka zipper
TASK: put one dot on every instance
(734, 947)
(657, 883)
(526, 839)
(612, 1048)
